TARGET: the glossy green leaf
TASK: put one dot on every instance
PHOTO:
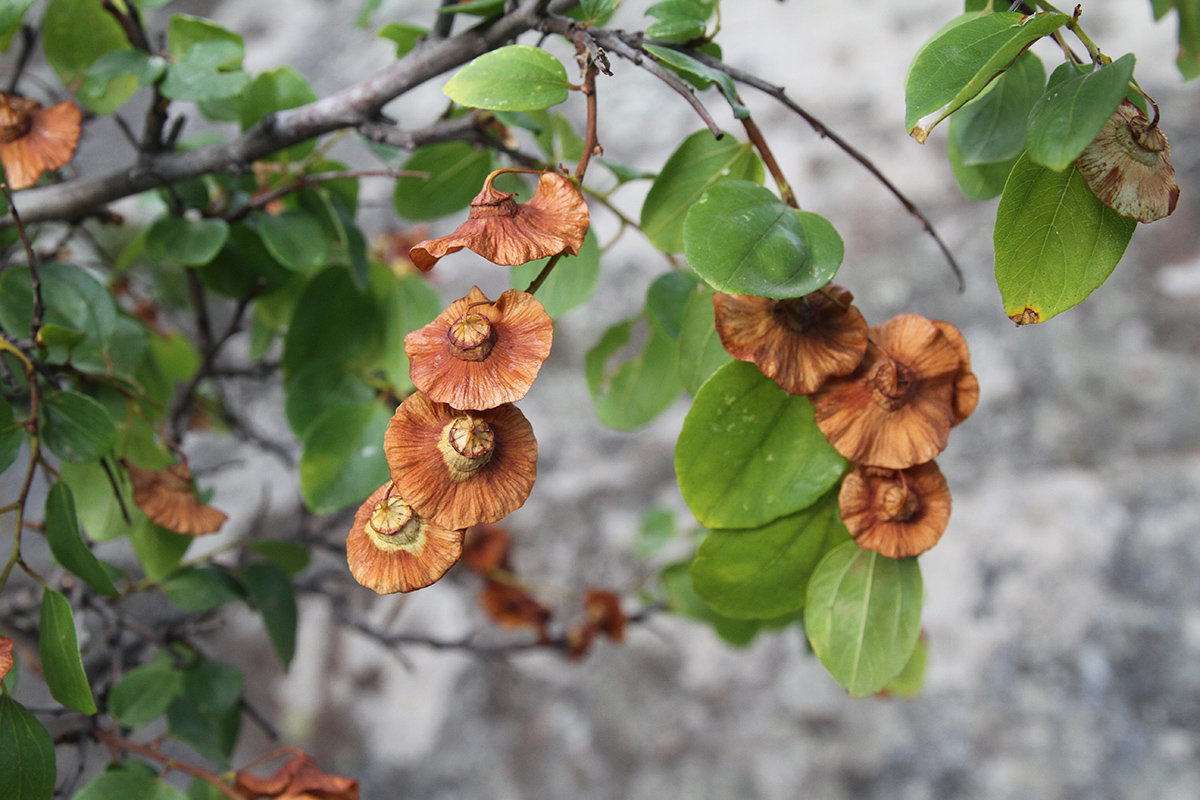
(979, 181)
(58, 648)
(295, 238)
(403, 35)
(911, 679)
(66, 542)
(750, 453)
(143, 694)
(682, 599)
(75, 427)
(682, 61)
(128, 785)
(991, 128)
(635, 391)
(742, 239)
(202, 588)
(1067, 118)
(116, 76)
(678, 20)
(955, 67)
(12, 436)
(291, 557)
(695, 166)
(343, 458)
(513, 78)
(74, 34)
(760, 573)
(271, 592)
(158, 550)
(570, 284)
(186, 241)
(863, 616)
(96, 503)
(598, 12)
(666, 298)
(411, 304)
(276, 90)
(27, 767)
(333, 320)
(456, 174)
(184, 32)
(318, 386)
(205, 73)
(1055, 242)
(701, 353)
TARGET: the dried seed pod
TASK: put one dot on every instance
(897, 513)
(604, 611)
(513, 607)
(461, 468)
(6, 655)
(897, 408)
(392, 549)
(509, 233)
(34, 139)
(1126, 166)
(485, 548)
(299, 779)
(478, 354)
(798, 342)
(169, 500)
(966, 385)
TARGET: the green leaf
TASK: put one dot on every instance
(696, 165)
(207, 715)
(291, 557)
(202, 588)
(128, 785)
(1055, 242)
(456, 174)
(678, 20)
(158, 550)
(272, 594)
(598, 12)
(980, 181)
(750, 453)
(742, 239)
(686, 63)
(116, 76)
(295, 238)
(75, 427)
(479, 8)
(204, 73)
(911, 679)
(318, 386)
(657, 529)
(27, 767)
(95, 500)
(991, 128)
(144, 694)
(666, 298)
(959, 64)
(343, 458)
(186, 241)
(66, 542)
(12, 436)
(1066, 119)
(184, 32)
(701, 353)
(333, 320)
(12, 13)
(863, 616)
(273, 91)
(244, 266)
(762, 572)
(411, 304)
(513, 78)
(570, 284)
(74, 34)
(682, 599)
(403, 35)
(58, 648)
(56, 336)
(638, 389)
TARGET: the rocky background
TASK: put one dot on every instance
(1062, 609)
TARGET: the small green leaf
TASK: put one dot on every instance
(66, 542)
(128, 785)
(12, 12)
(598, 12)
(655, 532)
(456, 174)
(991, 128)
(513, 78)
(343, 458)
(12, 436)
(666, 298)
(158, 550)
(403, 35)
(678, 20)
(333, 320)
(1055, 242)
(1066, 119)
(58, 648)
(272, 594)
(701, 353)
(291, 557)
(763, 572)
(116, 76)
(695, 166)
(411, 304)
(957, 65)
(184, 32)
(979, 181)
(295, 238)
(750, 453)
(639, 389)
(684, 62)
(144, 694)
(682, 599)
(191, 242)
(74, 34)
(53, 336)
(244, 267)
(276, 90)
(478, 8)
(75, 427)
(318, 386)
(27, 767)
(742, 239)
(207, 715)
(96, 503)
(202, 588)
(863, 616)
(911, 679)
(571, 283)
(204, 73)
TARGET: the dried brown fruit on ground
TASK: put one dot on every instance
(798, 342)
(1126, 166)
(35, 139)
(478, 354)
(508, 233)
(897, 513)
(299, 779)
(170, 501)
(391, 549)
(461, 468)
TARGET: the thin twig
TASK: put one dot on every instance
(545, 273)
(304, 181)
(117, 743)
(444, 24)
(28, 37)
(764, 150)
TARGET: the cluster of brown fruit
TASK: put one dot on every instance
(459, 452)
(885, 397)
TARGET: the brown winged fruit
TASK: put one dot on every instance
(34, 139)
(1126, 166)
